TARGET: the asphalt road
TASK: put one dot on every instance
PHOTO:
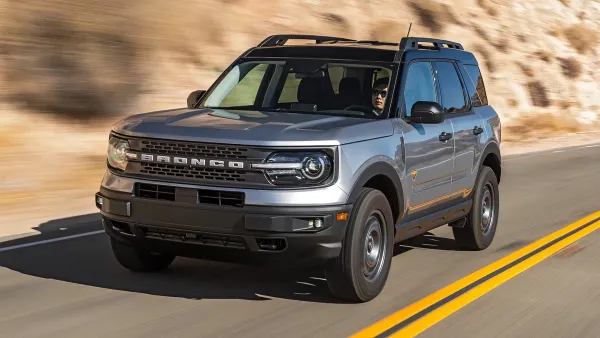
(74, 288)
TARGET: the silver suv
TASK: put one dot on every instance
(322, 153)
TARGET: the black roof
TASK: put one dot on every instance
(362, 50)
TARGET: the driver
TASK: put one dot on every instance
(380, 90)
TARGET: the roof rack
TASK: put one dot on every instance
(376, 42)
(413, 43)
(280, 40)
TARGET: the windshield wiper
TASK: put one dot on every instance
(234, 108)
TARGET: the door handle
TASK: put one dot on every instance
(444, 136)
(477, 130)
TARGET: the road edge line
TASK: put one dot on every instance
(46, 241)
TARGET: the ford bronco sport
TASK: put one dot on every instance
(285, 160)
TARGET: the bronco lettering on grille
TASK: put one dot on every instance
(192, 162)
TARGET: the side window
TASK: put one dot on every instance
(477, 79)
(419, 85)
(245, 91)
(471, 90)
(453, 97)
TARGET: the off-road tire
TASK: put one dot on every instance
(344, 274)
(472, 236)
(139, 260)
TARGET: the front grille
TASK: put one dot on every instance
(193, 237)
(199, 173)
(203, 175)
(153, 191)
(216, 197)
(194, 149)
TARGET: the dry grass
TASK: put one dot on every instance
(581, 37)
(9, 139)
(543, 55)
(388, 30)
(57, 160)
(487, 57)
(527, 70)
(488, 7)
(431, 14)
(536, 126)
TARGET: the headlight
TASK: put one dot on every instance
(297, 168)
(117, 153)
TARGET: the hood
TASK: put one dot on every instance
(253, 127)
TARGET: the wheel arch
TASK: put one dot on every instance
(491, 157)
(383, 177)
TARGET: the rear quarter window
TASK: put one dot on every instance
(475, 85)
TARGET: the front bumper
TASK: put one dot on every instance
(241, 234)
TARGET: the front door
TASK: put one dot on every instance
(429, 153)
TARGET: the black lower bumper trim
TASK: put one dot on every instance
(290, 236)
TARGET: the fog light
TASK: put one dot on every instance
(318, 223)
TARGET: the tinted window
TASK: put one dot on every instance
(471, 90)
(419, 85)
(453, 97)
(477, 79)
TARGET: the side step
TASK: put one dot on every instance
(426, 223)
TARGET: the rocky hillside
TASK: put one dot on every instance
(63, 62)
(110, 57)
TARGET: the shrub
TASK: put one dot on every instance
(538, 94)
(571, 67)
(582, 38)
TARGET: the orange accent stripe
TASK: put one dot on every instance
(464, 192)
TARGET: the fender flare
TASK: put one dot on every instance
(492, 148)
(385, 169)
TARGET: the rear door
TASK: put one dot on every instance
(467, 125)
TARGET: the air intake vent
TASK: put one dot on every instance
(157, 192)
(215, 197)
(225, 241)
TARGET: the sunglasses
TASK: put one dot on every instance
(382, 92)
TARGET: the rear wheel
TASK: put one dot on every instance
(140, 260)
(480, 227)
(361, 270)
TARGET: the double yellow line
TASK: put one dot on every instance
(426, 312)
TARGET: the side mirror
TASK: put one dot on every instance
(194, 97)
(426, 112)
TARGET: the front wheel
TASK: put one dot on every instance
(480, 227)
(361, 270)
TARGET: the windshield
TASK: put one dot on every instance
(303, 86)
